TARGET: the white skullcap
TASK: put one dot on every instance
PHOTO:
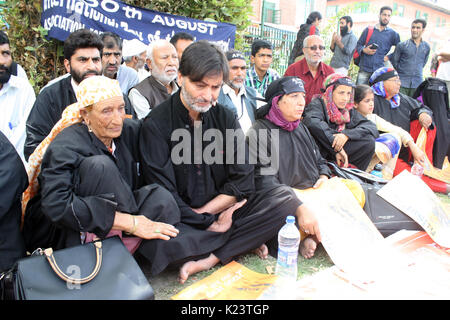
(133, 48)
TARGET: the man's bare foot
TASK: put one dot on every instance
(226, 218)
(262, 251)
(308, 246)
(192, 267)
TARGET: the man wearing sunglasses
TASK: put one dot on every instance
(311, 69)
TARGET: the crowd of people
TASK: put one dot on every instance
(156, 143)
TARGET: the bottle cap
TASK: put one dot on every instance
(378, 167)
(290, 219)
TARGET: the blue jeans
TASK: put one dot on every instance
(363, 77)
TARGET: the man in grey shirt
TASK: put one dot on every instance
(343, 46)
(410, 57)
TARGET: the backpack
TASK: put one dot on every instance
(356, 55)
(14, 68)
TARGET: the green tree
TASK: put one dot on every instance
(42, 59)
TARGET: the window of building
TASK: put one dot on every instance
(271, 14)
(362, 7)
(332, 11)
(417, 14)
(399, 10)
(438, 22)
(425, 16)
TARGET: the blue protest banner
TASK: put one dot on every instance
(61, 17)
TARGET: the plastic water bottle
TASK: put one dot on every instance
(377, 171)
(288, 242)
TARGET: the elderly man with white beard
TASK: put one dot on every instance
(163, 62)
(235, 95)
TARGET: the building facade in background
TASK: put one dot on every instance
(286, 16)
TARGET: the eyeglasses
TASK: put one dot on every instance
(314, 48)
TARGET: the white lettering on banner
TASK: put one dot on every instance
(124, 25)
(62, 23)
(132, 13)
(53, 3)
(201, 27)
(110, 6)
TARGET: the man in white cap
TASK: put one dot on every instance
(163, 62)
(134, 54)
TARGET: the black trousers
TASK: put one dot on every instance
(99, 175)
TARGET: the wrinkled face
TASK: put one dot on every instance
(106, 117)
(238, 68)
(5, 63)
(84, 63)
(262, 59)
(164, 65)
(392, 86)
(416, 30)
(181, 45)
(201, 95)
(385, 17)
(365, 106)
(314, 50)
(111, 60)
(141, 60)
(342, 95)
(292, 106)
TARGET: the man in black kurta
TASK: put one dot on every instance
(13, 182)
(194, 181)
(53, 99)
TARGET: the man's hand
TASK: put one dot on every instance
(369, 51)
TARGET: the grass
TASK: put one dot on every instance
(166, 284)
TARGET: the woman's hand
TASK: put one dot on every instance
(320, 181)
(425, 120)
(148, 229)
(339, 141)
(307, 221)
(342, 159)
(418, 155)
(143, 227)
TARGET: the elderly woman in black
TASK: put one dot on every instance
(90, 186)
(300, 163)
(341, 132)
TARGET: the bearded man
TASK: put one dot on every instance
(210, 177)
(162, 60)
(81, 60)
(16, 98)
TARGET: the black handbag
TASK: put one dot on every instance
(100, 270)
(386, 218)
(355, 174)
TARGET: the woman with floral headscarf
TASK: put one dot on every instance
(341, 132)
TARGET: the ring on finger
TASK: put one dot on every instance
(157, 231)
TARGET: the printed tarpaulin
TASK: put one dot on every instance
(62, 17)
(231, 282)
